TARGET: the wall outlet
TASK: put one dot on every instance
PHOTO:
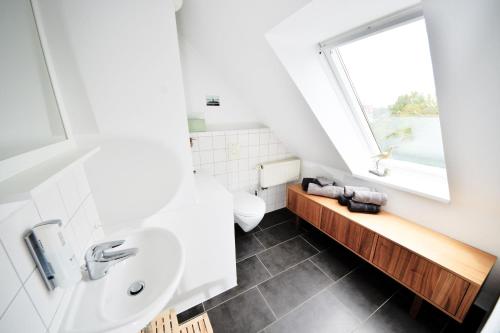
(233, 151)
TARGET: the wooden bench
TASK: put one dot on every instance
(443, 271)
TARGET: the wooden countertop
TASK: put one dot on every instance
(467, 261)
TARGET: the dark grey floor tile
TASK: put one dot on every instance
(394, 317)
(336, 261)
(246, 313)
(190, 313)
(275, 217)
(238, 232)
(294, 286)
(321, 314)
(247, 246)
(278, 233)
(286, 254)
(250, 272)
(316, 238)
(364, 290)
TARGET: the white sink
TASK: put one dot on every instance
(105, 305)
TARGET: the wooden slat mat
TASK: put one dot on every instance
(166, 322)
(200, 324)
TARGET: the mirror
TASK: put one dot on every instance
(29, 113)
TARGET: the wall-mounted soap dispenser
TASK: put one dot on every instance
(53, 255)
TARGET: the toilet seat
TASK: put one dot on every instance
(248, 205)
(248, 210)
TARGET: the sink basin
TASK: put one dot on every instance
(106, 305)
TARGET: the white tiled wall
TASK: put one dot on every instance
(25, 303)
(233, 158)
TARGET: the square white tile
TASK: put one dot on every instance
(206, 157)
(219, 168)
(232, 166)
(244, 152)
(21, 316)
(196, 158)
(219, 142)
(253, 151)
(82, 228)
(263, 150)
(9, 282)
(12, 231)
(207, 169)
(81, 181)
(220, 155)
(264, 138)
(91, 211)
(69, 192)
(231, 139)
(72, 240)
(205, 143)
(243, 165)
(253, 139)
(49, 203)
(243, 139)
(45, 302)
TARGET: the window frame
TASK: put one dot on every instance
(330, 53)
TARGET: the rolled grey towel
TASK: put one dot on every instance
(325, 181)
(349, 190)
(370, 197)
(329, 191)
(359, 207)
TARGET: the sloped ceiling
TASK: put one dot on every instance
(230, 34)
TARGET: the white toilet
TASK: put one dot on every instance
(248, 210)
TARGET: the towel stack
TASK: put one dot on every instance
(322, 186)
(362, 199)
(357, 198)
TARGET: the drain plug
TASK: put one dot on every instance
(136, 288)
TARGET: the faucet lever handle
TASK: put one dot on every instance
(98, 249)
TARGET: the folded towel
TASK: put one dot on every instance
(370, 197)
(329, 191)
(323, 181)
(359, 207)
(349, 190)
(307, 181)
(343, 200)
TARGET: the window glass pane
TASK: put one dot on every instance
(391, 74)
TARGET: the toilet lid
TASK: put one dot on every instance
(246, 204)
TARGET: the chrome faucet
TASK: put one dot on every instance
(98, 260)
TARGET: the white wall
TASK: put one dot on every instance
(465, 51)
(231, 35)
(201, 78)
(125, 56)
(25, 303)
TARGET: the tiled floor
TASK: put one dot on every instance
(295, 279)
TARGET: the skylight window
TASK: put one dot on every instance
(385, 72)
